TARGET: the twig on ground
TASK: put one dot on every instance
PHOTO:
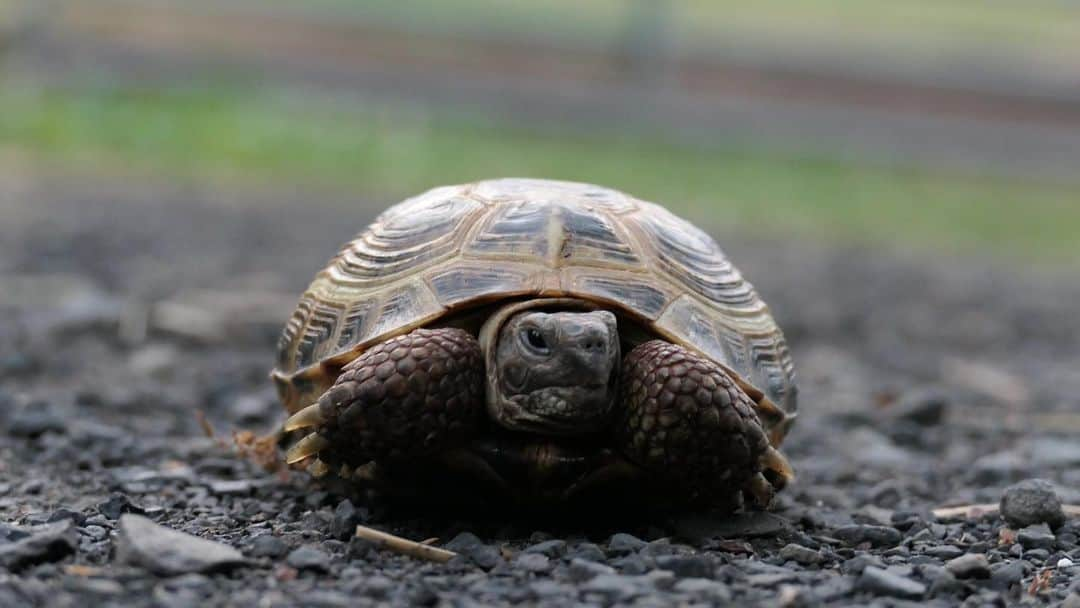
(404, 546)
(980, 510)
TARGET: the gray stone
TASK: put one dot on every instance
(581, 570)
(945, 552)
(623, 544)
(925, 406)
(1032, 501)
(551, 548)
(116, 505)
(533, 562)
(614, 587)
(49, 543)
(878, 536)
(346, 518)
(801, 555)
(470, 546)
(944, 583)
(268, 545)
(169, 552)
(308, 558)
(881, 582)
(1051, 452)
(631, 564)
(971, 565)
(997, 467)
(547, 589)
(588, 551)
(698, 528)
(35, 420)
(1036, 537)
(1073, 601)
(9, 533)
(1005, 576)
(687, 566)
(704, 588)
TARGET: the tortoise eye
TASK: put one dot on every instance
(536, 340)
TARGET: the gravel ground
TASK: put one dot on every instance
(923, 385)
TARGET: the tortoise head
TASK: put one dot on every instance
(553, 372)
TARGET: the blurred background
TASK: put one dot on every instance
(925, 126)
(898, 179)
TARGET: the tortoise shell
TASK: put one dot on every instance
(460, 248)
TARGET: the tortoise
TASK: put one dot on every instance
(547, 340)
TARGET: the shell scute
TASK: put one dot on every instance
(459, 246)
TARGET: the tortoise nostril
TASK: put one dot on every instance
(593, 344)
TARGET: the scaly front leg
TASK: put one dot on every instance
(410, 396)
(684, 418)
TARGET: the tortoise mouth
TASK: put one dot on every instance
(557, 410)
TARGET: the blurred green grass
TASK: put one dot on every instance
(265, 138)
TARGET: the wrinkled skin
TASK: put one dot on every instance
(557, 372)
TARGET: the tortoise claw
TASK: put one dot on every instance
(778, 467)
(308, 446)
(318, 469)
(761, 491)
(307, 417)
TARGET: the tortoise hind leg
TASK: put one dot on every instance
(683, 417)
(404, 398)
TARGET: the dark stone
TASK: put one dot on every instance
(469, 546)
(268, 545)
(882, 582)
(704, 588)
(1036, 537)
(614, 587)
(623, 543)
(945, 552)
(631, 564)
(925, 406)
(50, 543)
(582, 570)
(346, 518)
(9, 533)
(169, 552)
(62, 514)
(699, 528)
(801, 555)
(589, 551)
(35, 420)
(117, 504)
(533, 562)
(308, 558)
(971, 565)
(548, 589)
(857, 564)
(944, 584)
(233, 487)
(1037, 555)
(687, 566)
(878, 536)
(1030, 502)
(550, 548)
(1005, 576)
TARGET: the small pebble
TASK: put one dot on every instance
(622, 544)
(882, 582)
(1031, 502)
(1036, 537)
(971, 565)
(308, 558)
(801, 555)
